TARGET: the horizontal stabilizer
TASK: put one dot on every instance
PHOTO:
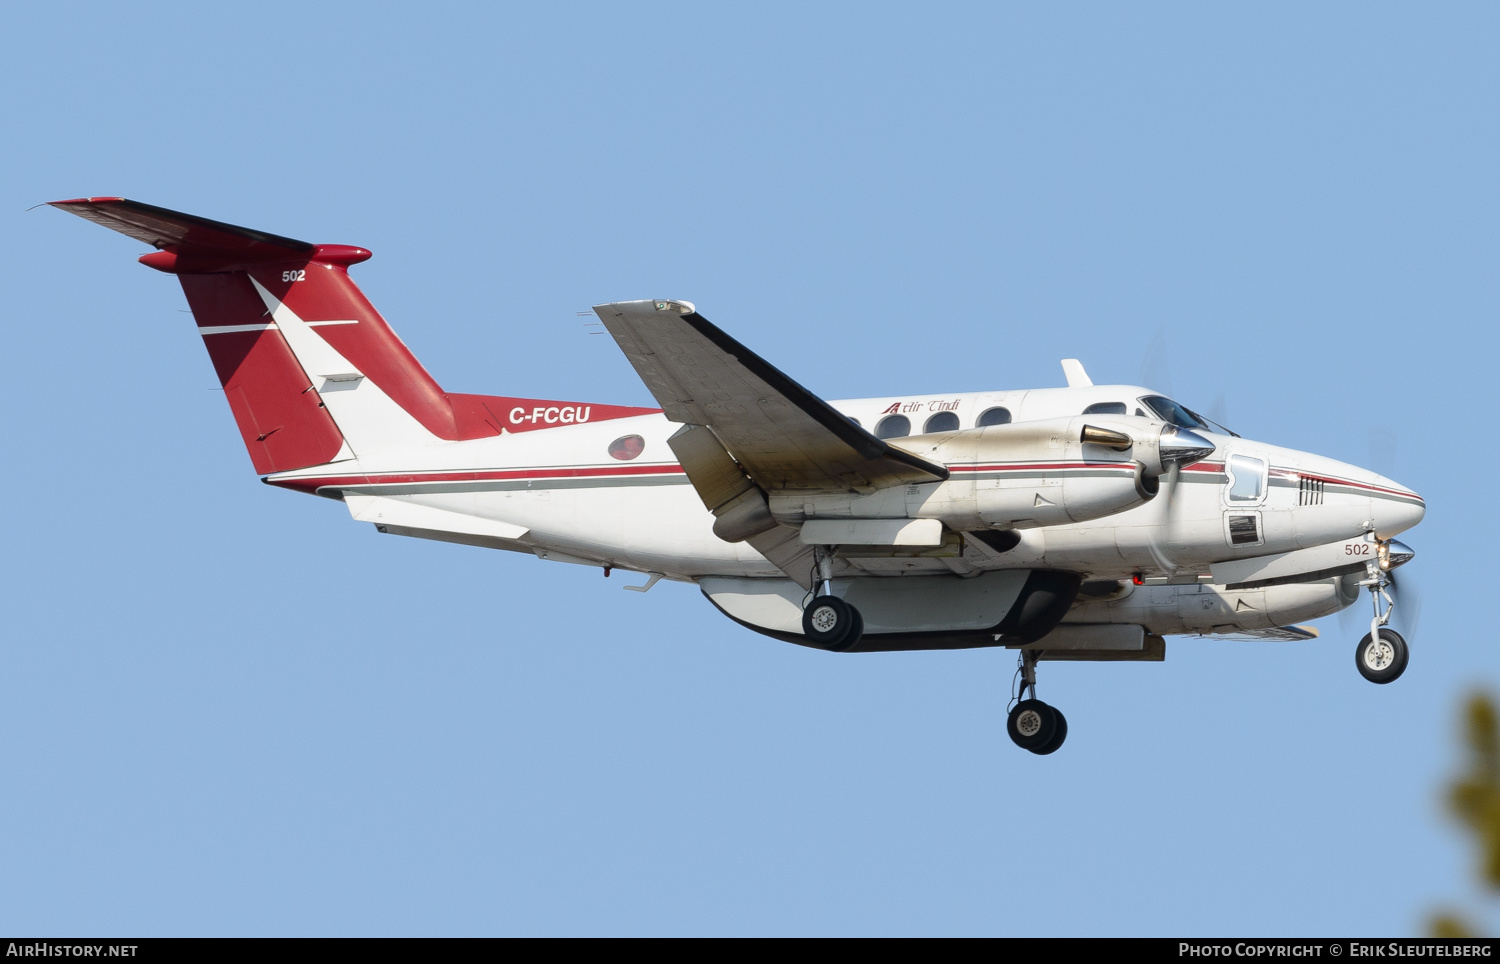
(184, 233)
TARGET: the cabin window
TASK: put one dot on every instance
(893, 426)
(627, 447)
(854, 420)
(1247, 479)
(942, 422)
(999, 415)
(1105, 408)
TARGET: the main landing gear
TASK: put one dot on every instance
(1381, 656)
(827, 620)
(1032, 724)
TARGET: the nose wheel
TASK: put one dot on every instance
(1381, 655)
(1381, 659)
(1032, 724)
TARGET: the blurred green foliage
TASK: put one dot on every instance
(1474, 798)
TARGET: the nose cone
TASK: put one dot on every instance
(1396, 507)
(1180, 447)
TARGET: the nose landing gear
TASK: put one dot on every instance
(1381, 655)
(1032, 724)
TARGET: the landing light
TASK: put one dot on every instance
(1393, 554)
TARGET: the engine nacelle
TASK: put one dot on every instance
(1204, 608)
(1019, 476)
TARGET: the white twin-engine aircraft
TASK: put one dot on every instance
(1081, 523)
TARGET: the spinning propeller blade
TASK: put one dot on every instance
(1218, 410)
(1384, 447)
(1408, 612)
(1156, 367)
(1163, 524)
(1407, 599)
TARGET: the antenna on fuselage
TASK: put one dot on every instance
(1077, 377)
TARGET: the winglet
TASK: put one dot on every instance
(1077, 377)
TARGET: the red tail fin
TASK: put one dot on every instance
(311, 370)
(281, 418)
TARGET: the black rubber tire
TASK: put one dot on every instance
(1392, 670)
(827, 621)
(1060, 734)
(856, 631)
(1031, 724)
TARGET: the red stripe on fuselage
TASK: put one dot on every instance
(313, 483)
(1212, 467)
(1028, 466)
(1334, 480)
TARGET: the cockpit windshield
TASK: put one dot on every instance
(1171, 412)
(1223, 430)
(1181, 416)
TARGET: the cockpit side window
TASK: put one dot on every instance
(1105, 408)
(1247, 479)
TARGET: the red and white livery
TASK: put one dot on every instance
(1084, 523)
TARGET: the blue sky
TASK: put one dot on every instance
(230, 710)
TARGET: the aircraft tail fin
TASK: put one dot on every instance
(311, 370)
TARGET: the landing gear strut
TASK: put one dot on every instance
(827, 620)
(1032, 724)
(1381, 656)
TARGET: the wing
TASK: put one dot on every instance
(783, 435)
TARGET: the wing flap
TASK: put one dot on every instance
(783, 547)
(717, 478)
